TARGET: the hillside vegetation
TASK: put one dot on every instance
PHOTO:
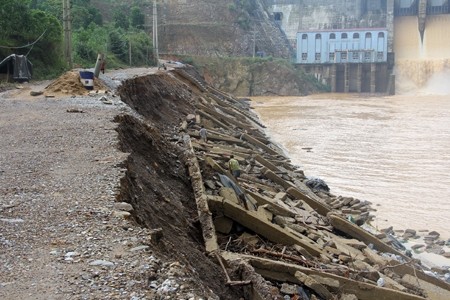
(219, 37)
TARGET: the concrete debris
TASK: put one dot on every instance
(297, 234)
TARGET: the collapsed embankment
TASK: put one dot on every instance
(265, 235)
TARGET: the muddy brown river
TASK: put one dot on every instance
(393, 151)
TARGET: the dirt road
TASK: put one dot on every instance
(62, 233)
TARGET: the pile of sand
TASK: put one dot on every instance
(69, 83)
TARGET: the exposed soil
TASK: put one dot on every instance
(63, 171)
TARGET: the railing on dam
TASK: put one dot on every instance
(411, 7)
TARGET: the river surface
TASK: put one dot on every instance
(393, 151)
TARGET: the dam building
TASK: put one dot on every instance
(350, 44)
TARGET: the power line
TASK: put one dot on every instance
(28, 45)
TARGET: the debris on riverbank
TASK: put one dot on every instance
(278, 238)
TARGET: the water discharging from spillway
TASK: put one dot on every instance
(392, 151)
(422, 67)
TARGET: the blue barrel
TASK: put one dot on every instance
(87, 79)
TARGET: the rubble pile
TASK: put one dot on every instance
(306, 243)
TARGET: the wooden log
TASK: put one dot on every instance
(252, 221)
(285, 272)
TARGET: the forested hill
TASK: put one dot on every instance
(216, 33)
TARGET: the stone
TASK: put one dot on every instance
(289, 289)
(139, 248)
(123, 206)
(345, 258)
(210, 184)
(12, 220)
(283, 221)
(102, 263)
(264, 213)
(223, 224)
(348, 297)
(121, 214)
(249, 239)
(314, 285)
(411, 232)
(156, 234)
(417, 246)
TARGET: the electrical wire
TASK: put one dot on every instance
(28, 45)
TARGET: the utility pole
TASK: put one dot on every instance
(155, 33)
(254, 43)
(129, 51)
(67, 25)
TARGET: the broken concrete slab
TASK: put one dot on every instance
(285, 272)
(358, 233)
(252, 221)
(313, 284)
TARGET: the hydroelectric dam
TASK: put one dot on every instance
(365, 46)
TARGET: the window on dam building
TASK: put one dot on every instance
(352, 46)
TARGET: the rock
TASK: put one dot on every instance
(139, 248)
(411, 232)
(121, 214)
(223, 224)
(102, 263)
(387, 230)
(283, 221)
(12, 220)
(317, 184)
(249, 239)
(417, 246)
(288, 289)
(156, 234)
(34, 93)
(348, 297)
(124, 206)
(314, 285)
(190, 117)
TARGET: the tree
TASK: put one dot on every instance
(137, 17)
(120, 19)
